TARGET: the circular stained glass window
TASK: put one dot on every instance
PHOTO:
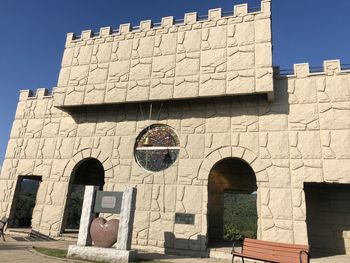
(157, 147)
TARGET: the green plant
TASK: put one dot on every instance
(53, 252)
(240, 216)
(233, 233)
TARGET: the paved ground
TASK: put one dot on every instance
(22, 252)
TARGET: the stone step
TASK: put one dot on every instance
(23, 232)
(68, 237)
(213, 253)
(225, 254)
(223, 249)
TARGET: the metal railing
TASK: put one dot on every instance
(318, 69)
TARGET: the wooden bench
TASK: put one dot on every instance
(272, 251)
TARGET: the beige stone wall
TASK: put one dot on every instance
(302, 136)
(172, 60)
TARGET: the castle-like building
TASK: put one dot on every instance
(184, 111)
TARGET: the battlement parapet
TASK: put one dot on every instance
(41, 93)
(303, 70)
(221, 54)
(147, 27)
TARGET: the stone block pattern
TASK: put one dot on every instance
(217, 56)
(303, 136)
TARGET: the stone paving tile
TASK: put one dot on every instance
(177, 259)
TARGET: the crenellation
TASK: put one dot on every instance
(124, 29)
(105, 31)
(240, 10)
(25, 94)
(70, 37)
(190, 18)
(146, 25)
(332, 67)
(303, 70)
(214, 14)
(86, 34)
(41, 93)
(167, 21)
(265, 9)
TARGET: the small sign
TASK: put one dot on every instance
(184, 219)
(108, 202)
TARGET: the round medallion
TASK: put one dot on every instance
(157, 147)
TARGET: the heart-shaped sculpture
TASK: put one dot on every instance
(104, 233)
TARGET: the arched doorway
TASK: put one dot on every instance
(88, 171)
(231, 200)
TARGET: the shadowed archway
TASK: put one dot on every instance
(89, 171)
(231, 183)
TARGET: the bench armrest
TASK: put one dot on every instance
(301, 254)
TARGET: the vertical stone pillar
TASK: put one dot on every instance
(126, 219)
(87, 215)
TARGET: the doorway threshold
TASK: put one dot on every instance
(221, 249)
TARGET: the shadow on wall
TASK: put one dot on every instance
(185, 246)
(199, 108)
(328, 218)
(132, 218)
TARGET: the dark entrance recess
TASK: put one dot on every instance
(88, 172)
(328, 218)
(232, 201)
(24, 201)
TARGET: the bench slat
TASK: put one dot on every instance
(270, 252)
(276, 244)
(262, 247)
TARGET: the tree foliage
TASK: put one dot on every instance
(24, 204)
(240, 216)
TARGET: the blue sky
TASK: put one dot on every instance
(33, 34)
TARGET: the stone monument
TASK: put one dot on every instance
(121, 252)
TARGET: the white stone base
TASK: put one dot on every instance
(102, 254)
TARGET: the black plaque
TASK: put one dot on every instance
(184, 219)
(108, 202)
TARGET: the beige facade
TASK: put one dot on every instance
(212, 82)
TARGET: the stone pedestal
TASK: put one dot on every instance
(102, 254)
(87, 215)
